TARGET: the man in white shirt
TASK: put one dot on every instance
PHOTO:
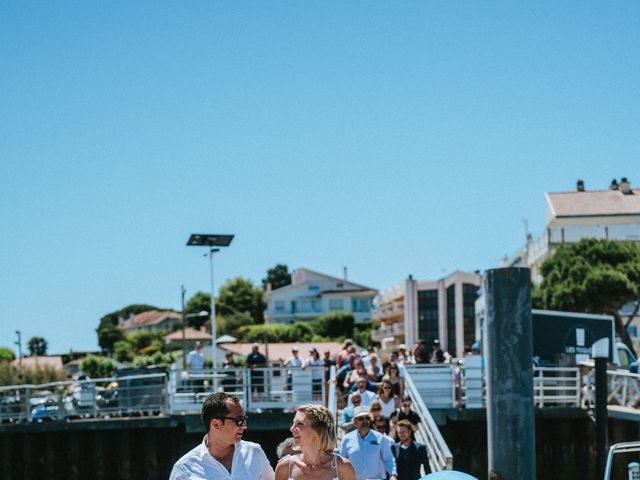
(223, 454)
(195, 360)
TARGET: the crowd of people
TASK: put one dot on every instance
(377, 423)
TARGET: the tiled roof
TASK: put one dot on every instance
(150, 317)
(282, 351)
(54, 361)
(593, 203)
(189, 334)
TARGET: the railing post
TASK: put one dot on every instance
(509, 355)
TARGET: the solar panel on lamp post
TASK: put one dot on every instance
(211, 240)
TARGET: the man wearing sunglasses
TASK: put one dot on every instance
(223, 454)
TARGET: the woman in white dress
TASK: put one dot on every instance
(313, 432)
(389, 401)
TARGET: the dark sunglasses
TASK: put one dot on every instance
(239, 421)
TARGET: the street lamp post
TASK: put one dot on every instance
(211, 241)
(19, 343)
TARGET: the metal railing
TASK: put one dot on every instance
(102, 397)
(557, 386)
(624, 388)
(440, 457)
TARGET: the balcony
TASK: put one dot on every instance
(393, 330)
(388, 311)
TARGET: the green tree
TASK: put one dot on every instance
(37, 346)
(239, 295)
(277, 276)
(200, 302)
(123, 351)
(108, 336)
(7, 355)
(592, 276)
(97, 367)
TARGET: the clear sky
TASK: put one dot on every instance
(393, 138)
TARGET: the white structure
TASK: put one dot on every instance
(428, 309)
(312, 294)
(613, 214)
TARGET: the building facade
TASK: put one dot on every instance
(612, 214)
(312, 294)
(428, 309)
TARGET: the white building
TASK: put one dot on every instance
(613, 214)
(428, 309)
(312, 294)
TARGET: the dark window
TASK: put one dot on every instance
(469, 296)
(428, 314)
(451, 319)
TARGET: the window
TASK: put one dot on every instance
(279, 306)
(313, 288)
(360, 304)
(336, 304)
(451, 318)
(428, 314)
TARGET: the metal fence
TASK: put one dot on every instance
(133, 395)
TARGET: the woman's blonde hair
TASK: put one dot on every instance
(321, 421)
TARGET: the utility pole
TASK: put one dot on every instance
(19, 343)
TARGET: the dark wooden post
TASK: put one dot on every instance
(509, 356)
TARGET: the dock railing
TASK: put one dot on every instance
(440, 457)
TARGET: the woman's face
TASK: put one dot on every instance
(393, 372)
(386, 389)
(304, 436)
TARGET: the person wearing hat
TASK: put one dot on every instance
(368, 450)
(293, 361)
(317, 372)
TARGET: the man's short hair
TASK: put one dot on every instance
(215, 406)
(405, 423)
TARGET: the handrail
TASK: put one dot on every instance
(440, 457)
(332, 399)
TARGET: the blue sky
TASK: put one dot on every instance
(393, 138)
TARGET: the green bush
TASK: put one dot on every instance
(334, 325)
(15, 375)
(97, 367)
(296, 332)
(123, 351)
(7, 355)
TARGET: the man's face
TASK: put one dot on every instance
(227, 430)
(254, 349)
(356, 399)
(362, 424)
(362, 385)
(406, 406)
(404, 433)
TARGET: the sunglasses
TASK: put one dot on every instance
(239, 421)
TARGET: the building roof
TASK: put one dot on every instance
(190, 333)
(282, 351)
(149, 318)
(302, 271)
(360, 291)
(593, 203)
(54, 361)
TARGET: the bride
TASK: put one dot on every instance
(313, 432)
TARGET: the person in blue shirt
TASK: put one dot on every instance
(368, 450)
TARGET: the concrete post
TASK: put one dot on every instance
(509, 354)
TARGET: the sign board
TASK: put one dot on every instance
(564, 339)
